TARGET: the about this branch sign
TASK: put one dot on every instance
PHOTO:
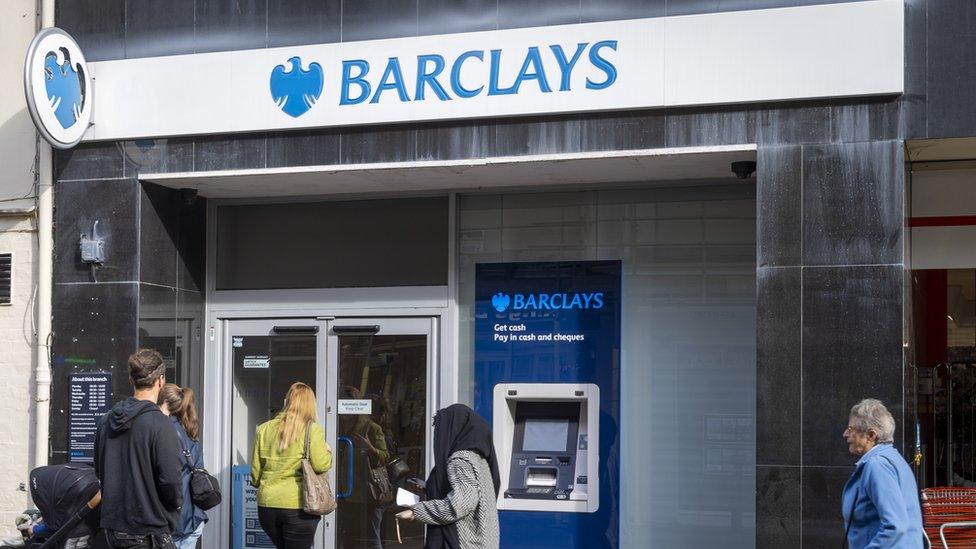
(89, 397)
(554, 322)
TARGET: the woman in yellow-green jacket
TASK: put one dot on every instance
(276, 469)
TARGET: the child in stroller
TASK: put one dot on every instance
(67, 497)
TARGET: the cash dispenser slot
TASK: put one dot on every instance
(541, 476)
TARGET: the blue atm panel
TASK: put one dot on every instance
(552, 323)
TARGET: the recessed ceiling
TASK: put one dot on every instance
(650, 165)
(934, 150)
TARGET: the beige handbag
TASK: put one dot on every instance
(317, 496)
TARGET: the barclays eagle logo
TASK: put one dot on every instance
(65, 88)
(500, 302)
(295, 91)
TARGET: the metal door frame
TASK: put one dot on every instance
(223, 415)
(218, 388)
(388, 326)
(439, 303)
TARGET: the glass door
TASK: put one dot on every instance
(379, 401)
(266, 357)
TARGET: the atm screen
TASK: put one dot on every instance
(545, 435)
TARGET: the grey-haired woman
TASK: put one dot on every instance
(880, 506)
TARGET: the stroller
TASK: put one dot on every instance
(67, 496)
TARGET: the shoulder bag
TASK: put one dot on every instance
(377, 477)
(204, 488)
(317, 496)
(397, 469)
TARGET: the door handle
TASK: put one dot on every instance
(295, 330)
(351, 461)
(368, 329)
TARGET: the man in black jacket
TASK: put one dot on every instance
(137, 460)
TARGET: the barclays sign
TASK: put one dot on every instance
(547, 301)
(588, 67)
(445, 85)
(435, 78)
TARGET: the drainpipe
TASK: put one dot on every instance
(45, 259)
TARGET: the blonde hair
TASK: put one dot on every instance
(182, 405)
(299, 411)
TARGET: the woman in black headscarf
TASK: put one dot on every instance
(460, 510)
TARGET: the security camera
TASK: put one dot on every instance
(743, 169)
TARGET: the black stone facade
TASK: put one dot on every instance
(830, 189)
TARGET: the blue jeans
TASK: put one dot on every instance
(376, 527)
(190, 541)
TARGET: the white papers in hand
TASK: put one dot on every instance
(406, 498)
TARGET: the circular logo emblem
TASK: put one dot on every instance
(58, 88)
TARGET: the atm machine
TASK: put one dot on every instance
(548, 380)
(547, 437)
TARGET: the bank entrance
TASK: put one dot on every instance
(372, 377)
(371, 299)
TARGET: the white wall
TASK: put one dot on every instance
(17, 236)
(17, 24)
(944, 190)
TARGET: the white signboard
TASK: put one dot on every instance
(355, 407)
(848, 49)
(257, 362)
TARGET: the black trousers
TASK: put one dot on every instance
(288, 528)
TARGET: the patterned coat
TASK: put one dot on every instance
(470, 504)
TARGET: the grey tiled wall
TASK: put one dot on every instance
(766, 124)
(152, 276)
(115, 29)
(830, 323)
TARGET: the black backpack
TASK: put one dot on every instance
(204, 488)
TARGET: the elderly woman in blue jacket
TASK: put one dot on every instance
(881, 508)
